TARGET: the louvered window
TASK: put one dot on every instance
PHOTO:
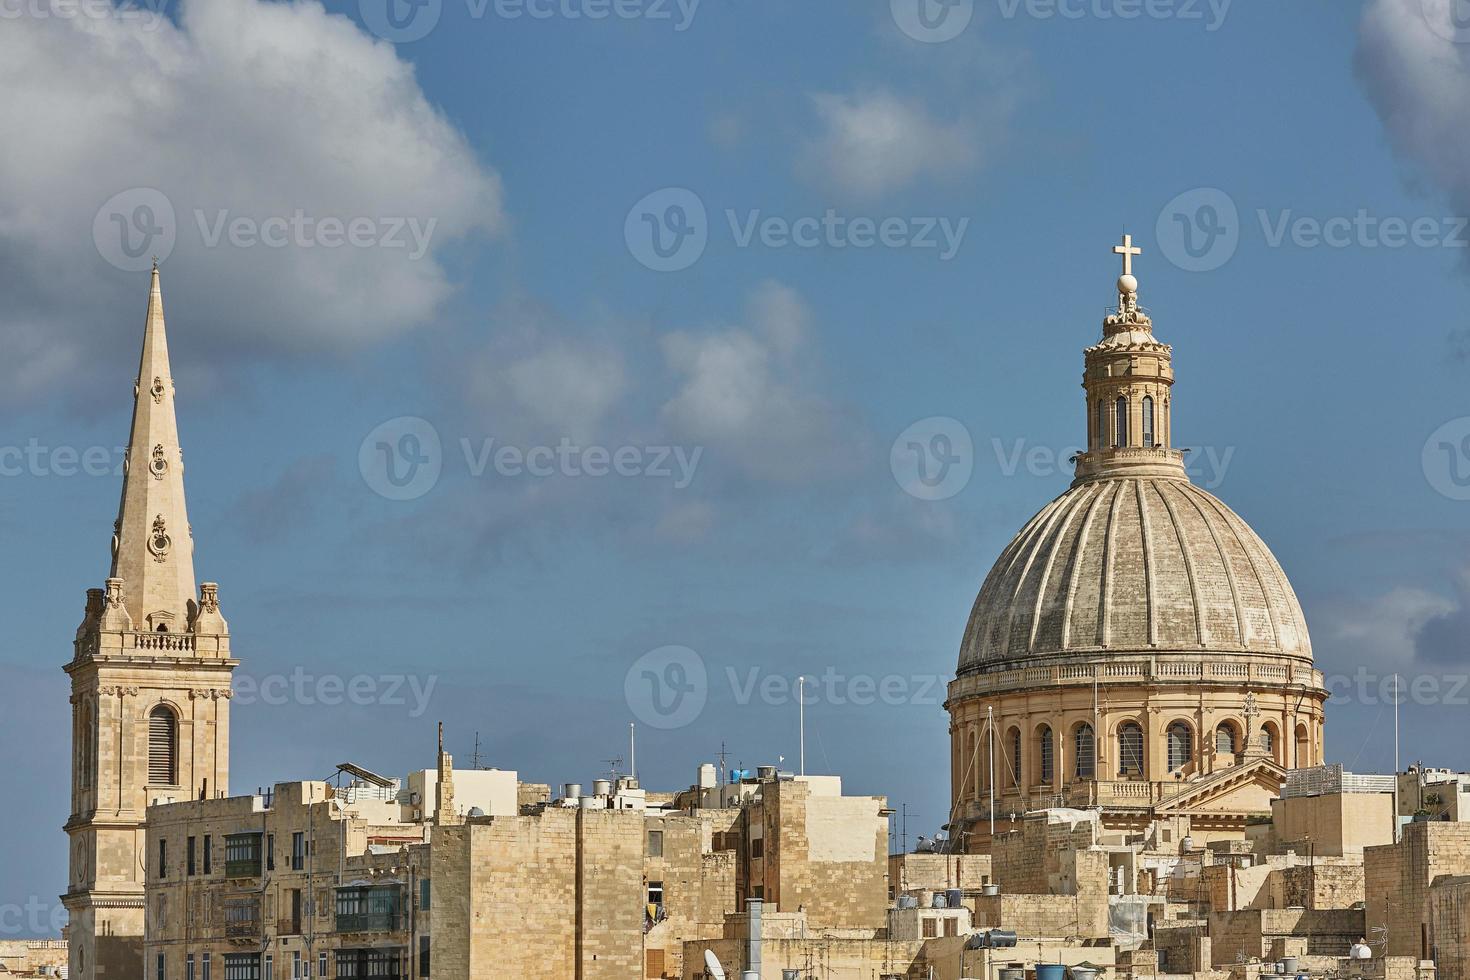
(163, 747)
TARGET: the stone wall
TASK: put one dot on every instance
(1449, 927)
(1397, 879)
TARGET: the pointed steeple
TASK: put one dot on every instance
(152, 547)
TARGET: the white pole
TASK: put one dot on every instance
(1395, 758)
(632, 752)
(801, 718)
(990, 724)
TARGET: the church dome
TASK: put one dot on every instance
(1149, 565)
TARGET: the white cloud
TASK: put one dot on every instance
(257, 109)
(538, 380)
(877, 142)
(747, 393)
(1418, 79)
(1379, 633)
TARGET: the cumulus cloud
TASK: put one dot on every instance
(875, 142)
(539, 377)
(1415, 68)
(1380, 633)
(1445, 638)
(748, 393)
(242, 109)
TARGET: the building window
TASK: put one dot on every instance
(655, 843)
(204, 966)
(268, 968)
(951, 927)
(356, 963)
(424, 894)
(757, 847)
(161, 975)
(423, 958)
(1085, 747)
(189, 857)
(296, 973)
(206, 854)
(1268, 740)
(931, 927)
(1047, 755)
(296, 911)
(1130, 749)
(1224, 738)
(1303, 752)
(369, 908)
(189, 966)
(163, 747)
(321, 965)
(656, 893)
(1181, 745)
(1148, 421)
(1120, 432)
(242, 855)
(1015, 760)
(298, 851)
(270, 852)
(163, 858)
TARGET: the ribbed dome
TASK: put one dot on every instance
(1133, 565)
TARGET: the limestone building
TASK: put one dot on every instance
(150, 683)
(1136, 647)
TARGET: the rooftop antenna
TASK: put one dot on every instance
(1396, 830)
(475, 759)
(724, 758)
(801, 718)
(632, 751)
(613, 765)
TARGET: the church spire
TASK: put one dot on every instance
(152, 546)
(1129, 378)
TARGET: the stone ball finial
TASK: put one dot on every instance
(1128, 284)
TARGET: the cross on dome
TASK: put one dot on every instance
(1128, 250)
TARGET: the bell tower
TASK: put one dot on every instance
(150, 684)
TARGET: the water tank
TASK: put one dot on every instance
(592, 803)
(954, 898)
(601, 787)
(707, 776)
(1360, 951)
(571, 791)
(908, 901)
(939, 901)
(1013, 973)
(765, 774)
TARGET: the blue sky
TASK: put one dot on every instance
(1321, 377)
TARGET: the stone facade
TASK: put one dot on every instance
(150, 684)
(1398, 879)
(1136, 643)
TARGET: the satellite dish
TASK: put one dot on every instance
(712, 965)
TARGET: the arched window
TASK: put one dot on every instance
(1268, 740)
(1014, 764)
(1148, 421)
(1046, 755)
(1130, 749)
(1181, 745)
(163, 747)
(1084, 747)
(1225, 738)
(1101, 438)
(1302, 748)
(1120, 432)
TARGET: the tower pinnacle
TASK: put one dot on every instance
(152, 545)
